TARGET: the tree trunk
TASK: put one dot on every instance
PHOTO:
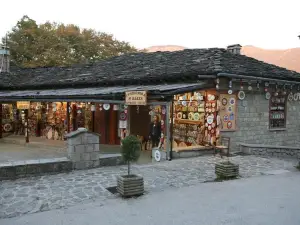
(128, 163)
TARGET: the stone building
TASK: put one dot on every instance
(199, 96)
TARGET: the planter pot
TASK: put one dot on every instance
(130, 185)
(226, 170)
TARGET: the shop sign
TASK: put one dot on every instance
(23, 105)
(136, 98)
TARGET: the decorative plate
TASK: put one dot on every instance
(213, 125)
(179, 115)
(209, 127)
(209, 110)
(229, 92)
(232, 101)
(191, 116)
(268, 95)
(106, 106)
(212, 131)
(229, 125)
(196, 116)
(183, 103)
(224, 101)
(241, 95)
(213, 104)
(213, 110)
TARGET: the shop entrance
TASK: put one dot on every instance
(140, 121)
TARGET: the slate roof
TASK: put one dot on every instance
(145, 68)
(102, 93)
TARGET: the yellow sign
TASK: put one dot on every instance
(136, 98)
(23, 105)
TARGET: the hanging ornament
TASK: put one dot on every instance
(217, 86)
(257, 86)
(241, 95)
(230, 87)
(241, 86)
(276, 90)
(106, 106)
(116, 107)
(79, 111)
(291, 97)
(93, 108)
(137, 109)
(249, 86)
(268, 95)
(284, 90)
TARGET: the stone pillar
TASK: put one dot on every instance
(83, 149)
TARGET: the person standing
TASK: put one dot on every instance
(155, 131)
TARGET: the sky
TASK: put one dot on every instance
(271, 24)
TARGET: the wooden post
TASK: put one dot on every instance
(68, 117)
(93, 117)
(26, 111)
(1, 134)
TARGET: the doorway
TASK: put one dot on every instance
(140, 121)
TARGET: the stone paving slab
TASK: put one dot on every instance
(44, 193)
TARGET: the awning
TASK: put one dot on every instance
(97, 92)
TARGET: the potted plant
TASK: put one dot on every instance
(226, 170)
(130, 184)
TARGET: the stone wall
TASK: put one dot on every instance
(272, 151)
(83, 149)
(253, 123)
(20, 169)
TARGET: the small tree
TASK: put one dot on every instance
(131, 150)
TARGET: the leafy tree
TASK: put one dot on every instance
(131, 150)
(53, 44)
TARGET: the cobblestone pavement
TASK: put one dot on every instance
(63, 190)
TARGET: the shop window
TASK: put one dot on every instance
(195, 120)
(277, 111)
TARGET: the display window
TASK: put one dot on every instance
(195, 120)
(277, 111)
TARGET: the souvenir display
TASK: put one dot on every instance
(226, 118)
(190, 112)
(277, 111)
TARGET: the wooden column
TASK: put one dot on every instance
(68, 117)
(26, 111)
(93, 121)
(1, 135)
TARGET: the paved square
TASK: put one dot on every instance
(63, 190)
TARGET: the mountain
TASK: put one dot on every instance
(289, 58)
(165, 48)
